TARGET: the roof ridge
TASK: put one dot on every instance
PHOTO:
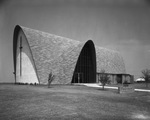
(58, 36)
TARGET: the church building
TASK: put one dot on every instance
(36, 54)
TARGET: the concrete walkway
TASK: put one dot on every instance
(98, 86)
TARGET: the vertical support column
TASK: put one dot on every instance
(20, 56)
(78, 77)
(123, 78)
(115, 78)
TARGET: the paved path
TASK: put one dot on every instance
(96, 85)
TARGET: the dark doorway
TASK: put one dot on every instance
(85, 70)
(78, 78)
(119, 78)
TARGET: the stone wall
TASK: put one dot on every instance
(59, 55)
(54, 54)
(109, 60)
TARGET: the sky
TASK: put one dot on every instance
(122, 25)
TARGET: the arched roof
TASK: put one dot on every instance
(51, 53)
(109, 60)
(59, 55)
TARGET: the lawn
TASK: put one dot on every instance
(26, 102)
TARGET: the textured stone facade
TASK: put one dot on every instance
(109, 60)
(59, 55)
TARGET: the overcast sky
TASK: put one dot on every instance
(122, 25)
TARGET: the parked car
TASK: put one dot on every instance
(140, 80)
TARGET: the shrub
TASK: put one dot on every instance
(50, 79)
(146, 76)
(125, 83)
(104, 78)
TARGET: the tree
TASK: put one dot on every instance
(50, 79)
(146, 76)
(104, 78)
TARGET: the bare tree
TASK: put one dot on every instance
(104, 78)
(50, 79)
(146, 76)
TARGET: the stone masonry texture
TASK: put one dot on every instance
(59, 55)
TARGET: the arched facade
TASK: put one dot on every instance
(41, 53)
(85, 70)
(24, 65)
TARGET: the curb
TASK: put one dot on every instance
(96, 85)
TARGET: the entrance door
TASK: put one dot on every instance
(78, 78)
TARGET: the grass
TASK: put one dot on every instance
(26, 102)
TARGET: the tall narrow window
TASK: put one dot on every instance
(20, 56)
(85, 70)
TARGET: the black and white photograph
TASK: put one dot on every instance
(74, 59)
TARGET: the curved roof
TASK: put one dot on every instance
(59, 55)
(51, 53)
(109, 60)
